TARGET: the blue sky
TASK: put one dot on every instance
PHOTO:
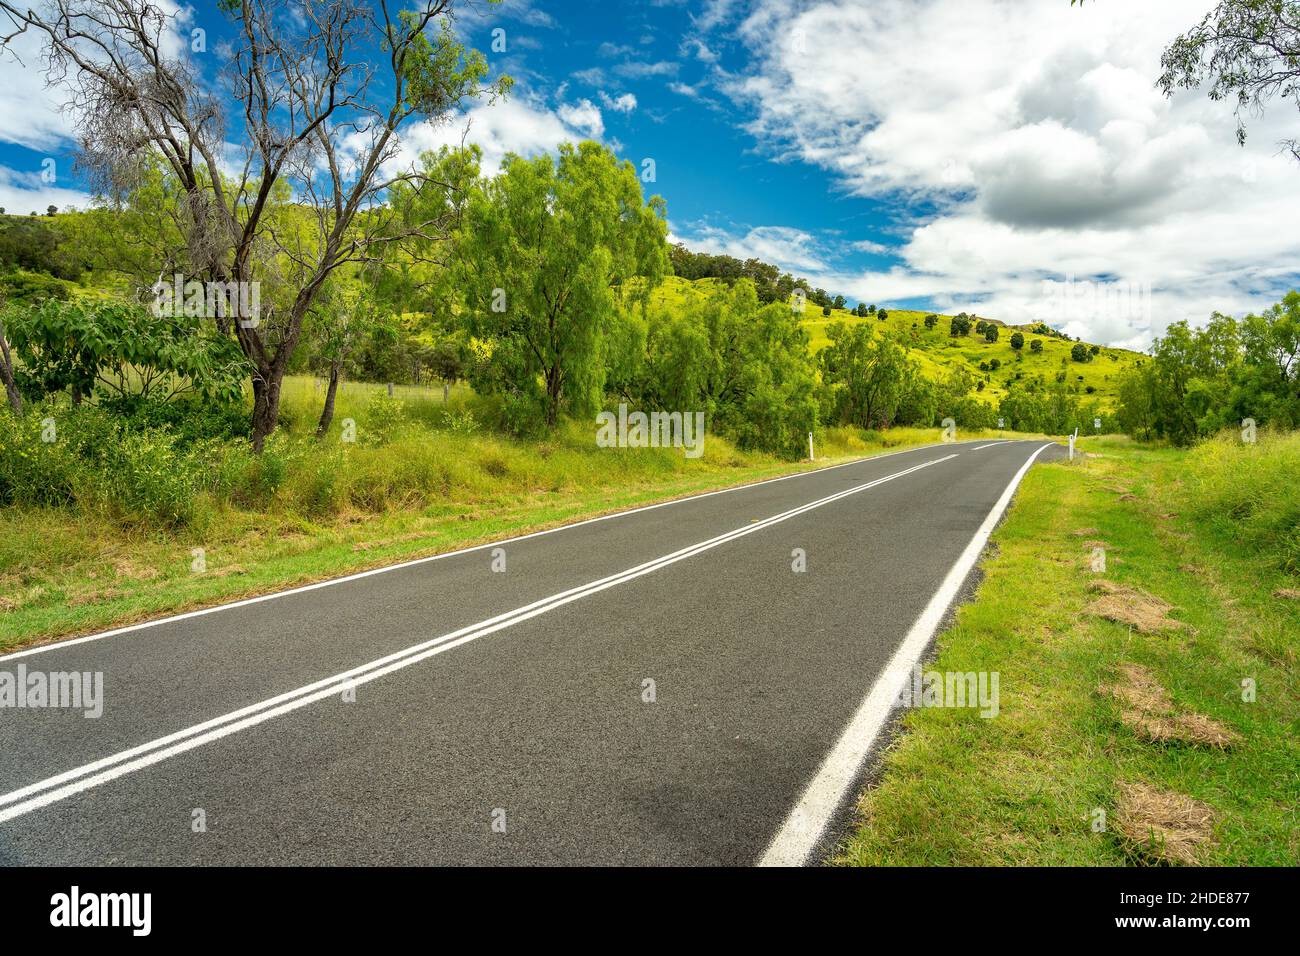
(1008, 157)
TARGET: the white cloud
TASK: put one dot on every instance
(594, 76)
(22, 192)
(1037, 136)
(31, 114)
(793, 250)
(585, 116)
(521, 10)
(625, 103)
(507, 126)
(637, 71)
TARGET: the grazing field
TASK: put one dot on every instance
(1149, 711)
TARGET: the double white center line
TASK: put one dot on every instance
(75, 781)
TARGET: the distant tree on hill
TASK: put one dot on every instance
(1080, 352)
(960, 325)
(839, 302)
(826, 310)
(51, 210)
(871, 309)
(1017, 341)
(1036, 345)
(990, 332)
(882, 315)
(931, 320)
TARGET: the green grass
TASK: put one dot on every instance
(1022, 788)
(418, 481)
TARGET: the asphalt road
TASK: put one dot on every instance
(505, 716)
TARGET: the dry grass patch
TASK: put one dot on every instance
(95, 597)
(1147, 709)
(1084, 532)
(133, 571)
(1161, 825)
(1290, 594)
(1129, 606)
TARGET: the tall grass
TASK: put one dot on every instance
(412, 452)
(182, 466)
(1250, 492)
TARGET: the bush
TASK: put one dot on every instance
(57, 455)
(190, 419)
(1247, 491)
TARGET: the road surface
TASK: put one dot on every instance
(655, 687)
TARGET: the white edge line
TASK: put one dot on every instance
(257, 599)
(106, 769)
(803, 828)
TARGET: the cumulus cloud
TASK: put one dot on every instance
(793, 250)
(513, 125)
(24, 191)
(31, 113)
(624, 103)
(1036, 136)
(585, 116)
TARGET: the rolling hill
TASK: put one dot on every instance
(938, 353)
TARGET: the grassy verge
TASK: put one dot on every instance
(1123, 736)
(434, 482)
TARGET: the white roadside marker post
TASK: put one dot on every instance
(1072, 438)
(811, 456)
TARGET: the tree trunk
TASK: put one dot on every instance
(327, 413)
(552, 396)
(266, 405)
(7, 374)
(446, 391)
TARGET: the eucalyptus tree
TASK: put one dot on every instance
(550, 250)
(282, 159)
(1244, 51)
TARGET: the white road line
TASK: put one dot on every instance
(71, 782)
(829, 787)
(143, 625)
(991, 444)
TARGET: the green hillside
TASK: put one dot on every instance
(938, 353)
